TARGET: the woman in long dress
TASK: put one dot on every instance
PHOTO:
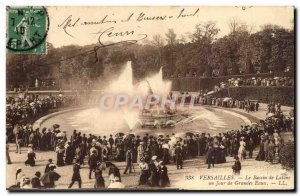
(154, 174)
(165, 150)
(99, 179)
(222, 154)
(144, 172)
(99, 183)
(113, 172)
(60, 150)
(242, 149)
(140, 151)
(164, 180)
(69, 154)
(49, 178)
(271, 151)
(30, 157)
(261, 154)
(19, 175)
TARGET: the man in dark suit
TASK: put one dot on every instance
(93, 160)
(128, 161)
(76, 174)
(210, 156)
(178, 156)
(35, 181)
(111, 143)
(47, 169)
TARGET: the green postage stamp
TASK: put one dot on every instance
(27, 29)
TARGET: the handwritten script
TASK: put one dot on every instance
(113, 34)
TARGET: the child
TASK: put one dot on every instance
(237, 166)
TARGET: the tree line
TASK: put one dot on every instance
(201, 52)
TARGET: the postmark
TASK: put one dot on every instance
(27, 29)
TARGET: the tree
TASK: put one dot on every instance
(218, 57)
(282, 50)
(223, 70)
(270, 47)
(202, 40)
(262, 43)
(233, 24)
(182, 39)
(206, 31)
(249, 69)
(245, 49)
(208, 71)
(158, 42)
(171, 37)
(239, 33)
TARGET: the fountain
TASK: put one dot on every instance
(155, 120)
(156, 115)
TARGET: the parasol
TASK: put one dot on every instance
(55, 126)
(130, 135)
(60, 134)
(189, 134)
(227, 99)
(254, 124)
(171, 122)
(120, 134)
(16, 129)
(156, 123)
(9, 126)
(270, 114)
(210, 92)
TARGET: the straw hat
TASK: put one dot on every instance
(154, 158)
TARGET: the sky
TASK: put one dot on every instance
(86, 25)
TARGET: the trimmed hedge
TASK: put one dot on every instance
(196, 84)
(264, 94)
(287, 155)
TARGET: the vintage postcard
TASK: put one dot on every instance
(150, 98)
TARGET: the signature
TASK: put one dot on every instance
(69, 22)
(126, 37)
(112, 36)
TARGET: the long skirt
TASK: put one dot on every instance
(241, 153)
(164, 180)
(166, 156)
(60, 159)
(99, 180)
(260, 156)
(144, 177)
(154, 178)
(30, 161)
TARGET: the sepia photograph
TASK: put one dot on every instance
(165, 98)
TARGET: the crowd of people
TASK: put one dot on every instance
(29, 106)
(150, 153)
(275, 119)
(247, 105)
(98, 153)
(257, 81)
